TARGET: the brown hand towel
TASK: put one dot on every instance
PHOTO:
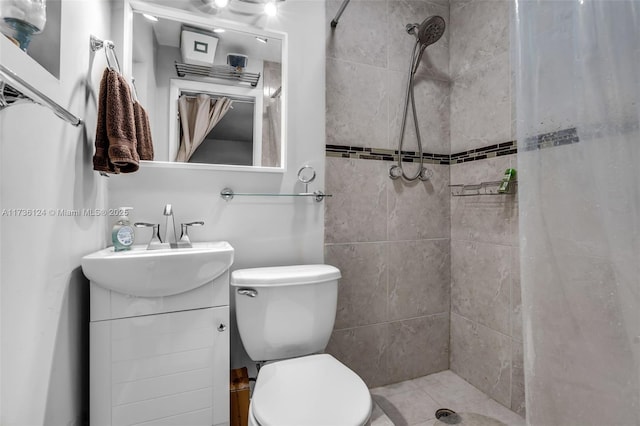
(115, 130)
(143, 133)
(121, 126)
(101, 161)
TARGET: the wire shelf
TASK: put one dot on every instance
(225, 72)
(482, 188)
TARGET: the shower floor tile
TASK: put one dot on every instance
(414, 402)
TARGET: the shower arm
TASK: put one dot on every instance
(343, 6)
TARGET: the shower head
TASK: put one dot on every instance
(429, 31)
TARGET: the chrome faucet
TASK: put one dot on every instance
(157, 242)
(168, 211)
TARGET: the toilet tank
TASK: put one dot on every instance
(285, 311)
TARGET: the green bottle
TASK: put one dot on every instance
(122, 234)
(507, 179)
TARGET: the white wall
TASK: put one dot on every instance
(264, 231)
(46, 164)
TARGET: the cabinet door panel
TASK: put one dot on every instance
(161, 369)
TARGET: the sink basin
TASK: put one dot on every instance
(155, 273)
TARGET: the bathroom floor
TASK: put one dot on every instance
(414, 402)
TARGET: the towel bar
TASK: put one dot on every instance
(14, 89)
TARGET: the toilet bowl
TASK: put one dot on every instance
(314, 390)
(285, 317)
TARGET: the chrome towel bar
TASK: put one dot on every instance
(13, 89)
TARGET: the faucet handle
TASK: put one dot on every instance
(184, 236)
(199, 223)
(145, 225)
(156, 242)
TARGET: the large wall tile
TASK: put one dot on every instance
(357, 211)
(420, 210)
(481, 283)
(418, 347)
(481, 106)
(517, 378)
(479, 32)
(482, 357)
(361, 35)
(419, 278)
(432, 107)
(436, 57)
(357, 104)
(363, 350)
(362, 292)
(484, 218)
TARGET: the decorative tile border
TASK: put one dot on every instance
(546, 140)
(497, 150)
(344, 151)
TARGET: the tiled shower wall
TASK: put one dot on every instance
(390, 239)
(429, 281)
(486, 326)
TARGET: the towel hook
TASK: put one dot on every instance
(108, 46)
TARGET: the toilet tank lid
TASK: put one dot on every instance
(284, 275)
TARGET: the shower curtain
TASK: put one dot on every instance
(198, 116)
(578, 118)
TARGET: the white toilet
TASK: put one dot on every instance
(285, 316)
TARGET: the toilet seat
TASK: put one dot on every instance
(315, 390)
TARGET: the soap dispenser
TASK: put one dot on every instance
(122, 234)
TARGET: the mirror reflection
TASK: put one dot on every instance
(213, 94)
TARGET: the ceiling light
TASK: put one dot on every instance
(150, 17)
(219, 30)
(221, 3)
(270, 8)
(261, 39)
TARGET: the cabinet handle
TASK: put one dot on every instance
(222, 328)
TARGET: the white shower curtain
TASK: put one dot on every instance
(578, 112)
(198, 116)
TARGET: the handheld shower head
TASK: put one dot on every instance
(429, 31)
(426, 33)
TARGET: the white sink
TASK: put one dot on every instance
(155, 273)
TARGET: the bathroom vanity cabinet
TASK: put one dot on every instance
(162, 360)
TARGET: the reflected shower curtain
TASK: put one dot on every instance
(272, 115)
(578, 112)
(271, 144)
(198, 116)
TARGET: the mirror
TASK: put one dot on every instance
(213, 89)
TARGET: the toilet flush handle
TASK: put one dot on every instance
(248, 292)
